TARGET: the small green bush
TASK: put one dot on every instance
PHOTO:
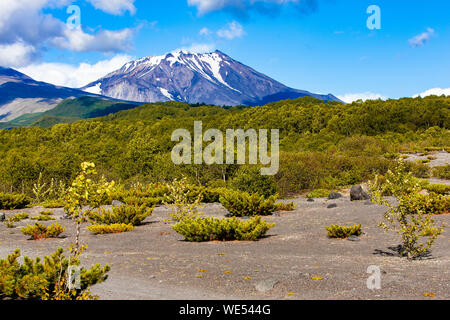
(10, 201)
(242, 204)
(125, 214)
(51, 204)
(318, 193)
(19, 217)
(285, 206)
(47, 280)
(442, 189)
(442, 172)
(250, 180)
(43, 218)
(228, 229)
(39, 231)
(110, 228)
(336, 231)
(9, 223)
(426, 204)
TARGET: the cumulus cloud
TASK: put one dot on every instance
(351, 97)
(103, 41)
(421, 39)
(74, 76)
(117, 7)
(434, 92)
(205, 32)
(16, 54)
(231, 31)
(242, 7)
(25, 30)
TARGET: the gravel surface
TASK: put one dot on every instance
(154, 262)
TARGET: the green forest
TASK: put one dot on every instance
(323, 145)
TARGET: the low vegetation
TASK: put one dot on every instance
(110, 228)
(39, 231)
(47, 279)
(318, 193)
(9, 201)
(228, 229)
(442, 172)
(290, 206)
(337, 231)
(243, 204)
(412, 217)
(125, 214)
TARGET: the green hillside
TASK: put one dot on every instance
(322, 145)
(68, 111)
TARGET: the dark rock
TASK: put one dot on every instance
(331, 206)
(310, 200)
(266, 285)
(357, 193)
(353, 238)
(334, 195)
(117, 203)
(2, 217)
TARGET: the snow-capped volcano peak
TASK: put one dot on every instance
(212, 78)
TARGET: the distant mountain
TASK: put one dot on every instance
(211, 78)
(20, 94)
(68, 111)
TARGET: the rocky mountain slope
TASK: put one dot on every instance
(211, 78)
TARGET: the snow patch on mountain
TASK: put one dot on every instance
(211, 78)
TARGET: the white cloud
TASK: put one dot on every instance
(199, 48)
(242, 6)
(421, 39)
(26, 30)
(351, 97)
(74, 76)
(16, 54)
(103, 41)
(434, 92)
(205, 32)
(231, 31)
(117, 7)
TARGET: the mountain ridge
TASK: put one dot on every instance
(211, 78)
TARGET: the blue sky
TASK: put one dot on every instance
(323, 46)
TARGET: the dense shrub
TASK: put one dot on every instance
(125, 214)
(228, 229)
(442, 189)
(47, 280)
(10, 201)
(250, 180)
(19, 217)
(39, 231)
(43, 217)
(52, 204)
(110, 228)
(241, 204)
(427, 204)
(336, 231)
(318, 193)
(442, 172)
(285, 206)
